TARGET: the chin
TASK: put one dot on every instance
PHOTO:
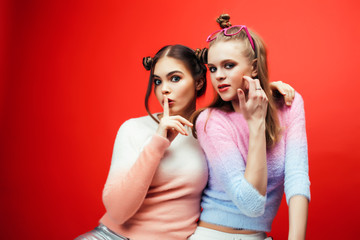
(227, 98)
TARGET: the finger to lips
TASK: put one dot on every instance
(166, 106)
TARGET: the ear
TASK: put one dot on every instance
(254, 68)
(199, 84)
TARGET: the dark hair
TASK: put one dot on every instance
(190, 58)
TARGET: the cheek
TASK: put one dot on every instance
(187, 88)
(157, 93)
(213, 80)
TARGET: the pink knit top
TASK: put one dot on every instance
(154, 188)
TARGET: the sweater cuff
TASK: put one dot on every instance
(158, 145)
(302, 189)
(254, 201)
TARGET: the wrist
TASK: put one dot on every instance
(296, 235)
(257, 126)
(161, 132)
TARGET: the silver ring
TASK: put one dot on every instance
(257, 88)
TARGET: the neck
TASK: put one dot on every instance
(235, 104)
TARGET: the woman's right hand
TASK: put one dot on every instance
(254, 108)
(171, 126)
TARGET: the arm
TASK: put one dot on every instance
(226, 163)
(297, 184)
(130, 173)
(298, 213)
(254, 111)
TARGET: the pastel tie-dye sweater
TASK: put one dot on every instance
(229, 200)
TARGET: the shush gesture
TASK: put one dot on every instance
(171, 126)
(254, 105)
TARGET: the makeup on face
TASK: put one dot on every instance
(227, 66)
(173, 79)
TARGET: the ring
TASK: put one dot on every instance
(257, 88)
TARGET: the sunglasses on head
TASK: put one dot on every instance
(214, 35)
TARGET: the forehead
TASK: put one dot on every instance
(222, 50)
(166, 65)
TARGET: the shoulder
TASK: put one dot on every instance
(211, 114)
(212, 120)
(297, 105)
(136, 131)
(294, 113)
(298, 99)
(139, 124)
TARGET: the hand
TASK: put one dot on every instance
(171, 126)
(255, 107)
(284, 89)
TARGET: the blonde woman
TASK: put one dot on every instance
(254, 144)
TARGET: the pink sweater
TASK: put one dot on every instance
(153, 190)
(229, 199)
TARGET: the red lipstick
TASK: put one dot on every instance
(223, 87)
(170, 101)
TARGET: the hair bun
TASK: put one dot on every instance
(224, 20)
(201, 55)
(147, 62)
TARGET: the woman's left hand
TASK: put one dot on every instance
(285, 89)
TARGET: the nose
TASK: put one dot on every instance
(165, 88)
(219, 75)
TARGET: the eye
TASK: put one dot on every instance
(212, 69)
(229, 65)
(175, 78)
(157, 82)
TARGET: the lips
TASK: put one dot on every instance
(170, 101)
(223, 87)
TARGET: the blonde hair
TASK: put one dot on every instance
(273, 130)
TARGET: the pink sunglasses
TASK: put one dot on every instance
(214, 35)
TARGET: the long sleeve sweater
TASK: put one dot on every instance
(154, 188)
(229, 199)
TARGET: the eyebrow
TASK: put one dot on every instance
(222, 62)
(170, 73)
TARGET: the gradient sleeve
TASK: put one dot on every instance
(216, 138)
(296, 159)
(131, 172)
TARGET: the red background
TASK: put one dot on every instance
(71, 74)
